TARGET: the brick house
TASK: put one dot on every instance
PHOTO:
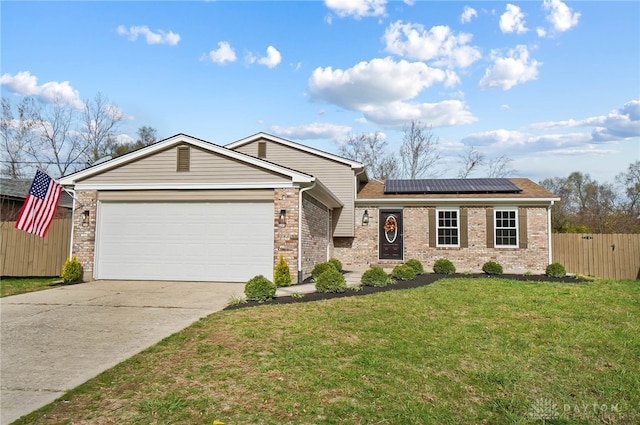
(187, 209)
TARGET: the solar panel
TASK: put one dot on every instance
(451, 186)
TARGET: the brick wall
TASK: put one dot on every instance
(84, 235)
(286, 234)
(315, 233)
(362, 250)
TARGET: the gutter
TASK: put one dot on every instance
(549, 232)
(302, 190)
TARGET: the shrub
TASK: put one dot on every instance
(260, 289)
(403, 272)
(282, 275)
(444, 266)
(71, 271)
(375, 276)
(492, 268)
(331, 280)
(335, 263)
(555, 270)
(415, 265)
(320, 268)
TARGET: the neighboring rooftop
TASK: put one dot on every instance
(18, 189)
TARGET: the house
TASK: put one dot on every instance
(187, 209)
(13, 193)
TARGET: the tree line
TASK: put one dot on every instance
(59, 138)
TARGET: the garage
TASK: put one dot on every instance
(184, 241)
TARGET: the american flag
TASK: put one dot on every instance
(40, 205)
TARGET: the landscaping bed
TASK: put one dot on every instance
(420, 280)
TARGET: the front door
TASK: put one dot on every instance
(391, 235)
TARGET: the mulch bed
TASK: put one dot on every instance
(422, 280)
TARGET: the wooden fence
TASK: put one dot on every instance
(25, 254)
(610, 256)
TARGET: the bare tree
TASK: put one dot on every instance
(146, 137)
(419, 150)
(58, 145)
(100, 120)
(370, 149)
(472, 159)
(17, 135)
(501, 167)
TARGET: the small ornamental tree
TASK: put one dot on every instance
(281, 274)
(71, 271)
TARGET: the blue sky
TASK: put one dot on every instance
(553, 85)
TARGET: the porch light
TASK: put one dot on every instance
(365, 218)
(85, 217)
(283, 217)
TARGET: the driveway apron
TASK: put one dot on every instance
(54, 340)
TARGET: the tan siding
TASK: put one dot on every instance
(339, 178)
(187, 195)
(205, 167)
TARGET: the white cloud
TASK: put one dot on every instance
(25, 84)
(224, 53)
(622, 123)
(541, 32)
(467, 14)
(159, 37)
(272, 59)
(376, 82)
(357, 8)
(447, 113)
(561, 17)
(438, 44)
(512, 20)
(316, 130)
(515, 68)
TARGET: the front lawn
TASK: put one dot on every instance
(21, 285)
(458, 351)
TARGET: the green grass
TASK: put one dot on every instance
(460, 351)
(21, 285)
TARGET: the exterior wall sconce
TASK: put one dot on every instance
(365, 218)
(85, 217)
(283, 217)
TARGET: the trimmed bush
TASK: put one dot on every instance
(71, 271)
(555, 270)
(492, 268)
(260, 289)
(335, 263)
(415, 265)
(282, 275)
(403, 272)
(444, 266)
(375, 276)
(320, 268)
(331, 280)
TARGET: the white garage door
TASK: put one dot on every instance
(190, 241)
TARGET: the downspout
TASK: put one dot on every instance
(300, 279)
(549, 232)
(72, 192)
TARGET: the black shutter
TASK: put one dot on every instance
(522, 227)
(490, 235)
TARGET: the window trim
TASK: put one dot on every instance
(437, 227)
(516, 228)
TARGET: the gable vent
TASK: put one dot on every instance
(183, 161)
(262, 149)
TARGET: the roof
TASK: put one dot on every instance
(304, 148)
(486, 185)
(373, 192)
(18, 189)
(296, 176)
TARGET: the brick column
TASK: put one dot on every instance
(84, 235)
(285, 236)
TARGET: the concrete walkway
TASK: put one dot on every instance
(54, 340)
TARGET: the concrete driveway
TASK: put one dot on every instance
(54, 340)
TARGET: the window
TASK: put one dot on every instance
(506, 228)
(448, 228)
